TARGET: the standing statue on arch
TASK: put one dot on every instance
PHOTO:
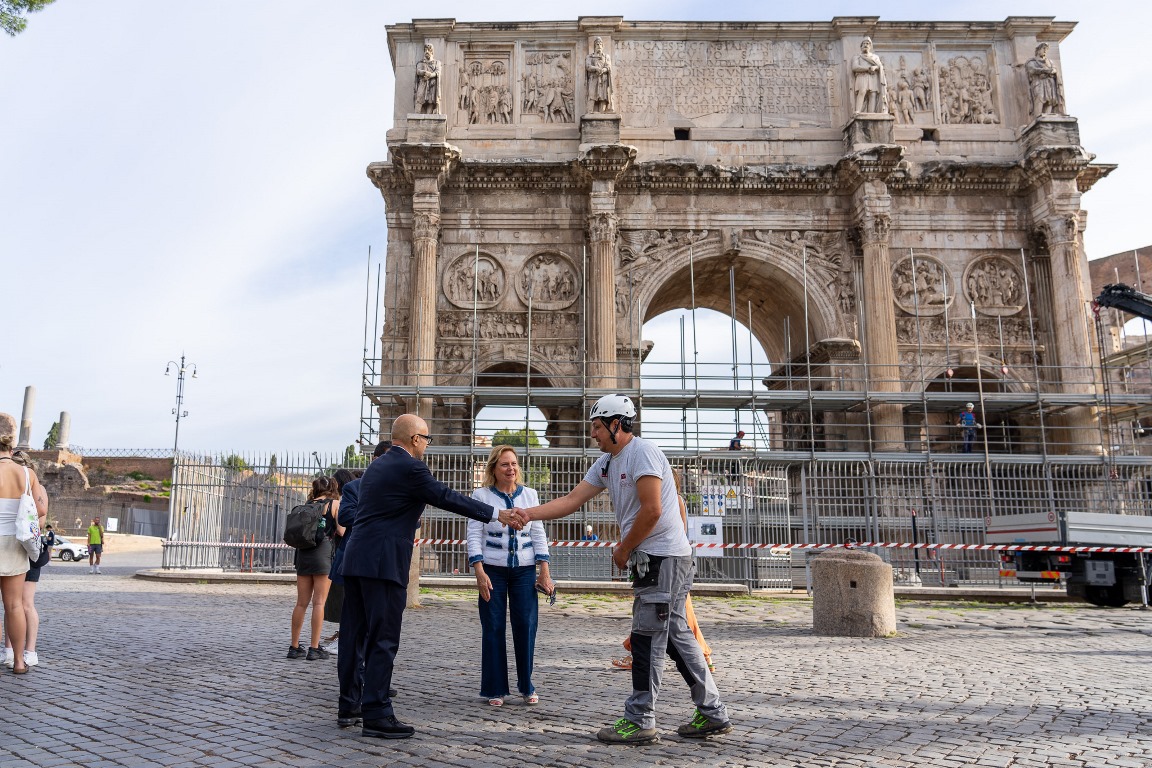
(427, 99)
(1043, 85)
(868, 82)
(599, 69)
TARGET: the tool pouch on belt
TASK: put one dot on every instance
(646, 572)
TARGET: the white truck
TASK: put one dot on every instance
(1096, 564)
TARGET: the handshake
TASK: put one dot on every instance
(516, 517)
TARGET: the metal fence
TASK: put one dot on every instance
(229, 514)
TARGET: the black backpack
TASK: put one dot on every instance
(302, 529)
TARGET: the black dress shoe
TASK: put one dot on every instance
(348, 719)
(387, 727)
(392, 693)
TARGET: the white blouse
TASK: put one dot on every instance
(501, 545)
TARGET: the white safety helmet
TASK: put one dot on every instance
(969, 405)
(613, 406)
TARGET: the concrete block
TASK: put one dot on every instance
(852, 595)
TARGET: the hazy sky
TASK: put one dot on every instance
(188, 177)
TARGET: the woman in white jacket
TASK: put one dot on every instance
(505, 562)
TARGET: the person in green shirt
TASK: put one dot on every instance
(95, 545)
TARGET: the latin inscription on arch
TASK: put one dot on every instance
(734, 83)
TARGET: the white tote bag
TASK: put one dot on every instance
(28, 521)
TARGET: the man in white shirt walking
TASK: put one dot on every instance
(653, 542)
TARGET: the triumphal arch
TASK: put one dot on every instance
(893, 208)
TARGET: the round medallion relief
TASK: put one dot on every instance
(995, 286)
(922, 286)
(474, 281)
(550, 280)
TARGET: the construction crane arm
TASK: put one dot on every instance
(1126, 298)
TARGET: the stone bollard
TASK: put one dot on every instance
(852, 595)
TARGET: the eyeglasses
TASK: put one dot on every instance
(427, 438)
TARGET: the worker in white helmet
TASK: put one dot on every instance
(966, 421)
(653, 542)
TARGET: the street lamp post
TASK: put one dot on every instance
(179, 411)
(181, 368)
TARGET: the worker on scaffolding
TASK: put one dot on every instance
(967, 422)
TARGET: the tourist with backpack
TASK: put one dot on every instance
(312, 523)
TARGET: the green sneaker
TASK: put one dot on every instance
(624, 731)
(701, 727)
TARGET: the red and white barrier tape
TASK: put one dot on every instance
(853, 545)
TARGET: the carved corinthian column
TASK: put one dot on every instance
(601, 318)
(1073, 354)
(880, 351)
(422, 328)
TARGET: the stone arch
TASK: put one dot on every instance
(772, 278)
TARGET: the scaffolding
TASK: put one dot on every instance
(819, 399)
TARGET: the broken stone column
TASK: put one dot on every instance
(65, 430)
(26, 419)
(852, 595)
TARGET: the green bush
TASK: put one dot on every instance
(138, 475)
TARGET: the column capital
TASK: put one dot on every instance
(1060, 229)
(425, 226)
(602, 227)
(874, 228)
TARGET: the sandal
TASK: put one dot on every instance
(532, 698)
(624, 662)
(495, 702)
(20, 670)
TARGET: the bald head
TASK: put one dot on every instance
(408, 431)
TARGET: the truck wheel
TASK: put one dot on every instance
(1106, 597)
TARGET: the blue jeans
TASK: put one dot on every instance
(514, 593)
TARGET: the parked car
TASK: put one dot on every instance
(68, 550)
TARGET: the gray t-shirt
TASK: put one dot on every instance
(619, 474)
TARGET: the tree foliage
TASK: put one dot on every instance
(352, 459)
(12, 14)
(53, 436)
(517, 438)
(235, 463)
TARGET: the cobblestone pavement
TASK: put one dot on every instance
(140, 673)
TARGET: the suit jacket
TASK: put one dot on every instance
(346, 515)
(393, 493)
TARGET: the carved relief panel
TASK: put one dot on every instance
(472, 279)
(921, 285)
(644, 247)
(994, 284)
(485, 88)
(968, 91)
(547, 87)
(729, 83)
(549, 280)
(910, 96)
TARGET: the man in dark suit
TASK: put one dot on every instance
(393, 493)
(349, 662)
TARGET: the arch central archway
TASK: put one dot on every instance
(791, 293)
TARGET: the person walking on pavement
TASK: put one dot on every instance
(653, 543)
(377, 557)
(95, 545)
